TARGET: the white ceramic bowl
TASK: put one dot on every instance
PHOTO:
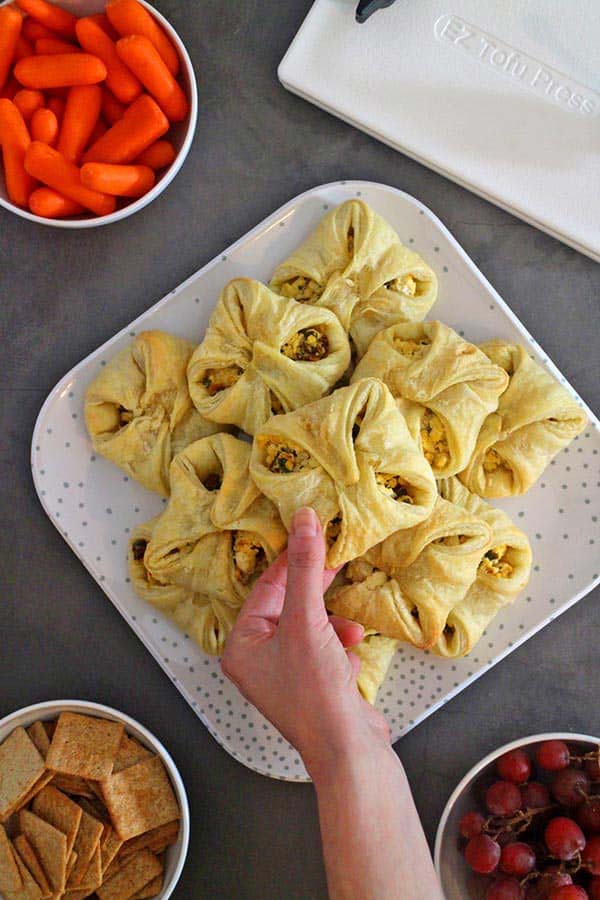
(176, 854)
(181, 134)
(458, 882)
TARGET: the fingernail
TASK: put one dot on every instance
(304, 523)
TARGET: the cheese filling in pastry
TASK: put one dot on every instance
(405, 587)
(263, 355)
(199, 559)
(495, 563)
(354, 264)
(138, 410)
(535, 419)
(445, 388)
(351, 457)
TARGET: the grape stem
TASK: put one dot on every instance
(521, 821)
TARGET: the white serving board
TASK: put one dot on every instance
(502, 97)
(94, 506)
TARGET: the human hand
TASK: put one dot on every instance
(288, 657)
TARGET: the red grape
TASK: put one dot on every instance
(505, 889)
(471, 824)
(564, 838)
(569, 786)
(568, 892)
(553, 755)
(588, 814)
(503, 798)
(534, 795)
(517, 859)
(592, 767)
(591, 855)
(514, 766)
(482, 854)
(549, 879)
(594, 889)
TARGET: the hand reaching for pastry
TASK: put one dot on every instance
(288, 657)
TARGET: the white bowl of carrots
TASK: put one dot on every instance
(98, 108)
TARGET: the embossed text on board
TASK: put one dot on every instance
(513, 63)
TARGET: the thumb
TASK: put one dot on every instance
(306, 561)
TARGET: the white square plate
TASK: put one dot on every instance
(95, 506)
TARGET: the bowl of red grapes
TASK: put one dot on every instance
(524, 824)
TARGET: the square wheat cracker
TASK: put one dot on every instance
(30, 890)
(140, 798)
(92, 878)
(139, 870)
(110, 845)
(130, 753)
(20, 767)
(39, 736)
(86, 842)
(27, 854)
(156, 840)
(73, 784)
(49, 845)
(10, 880)
(59, 810)
(152, 889)
(83, 745)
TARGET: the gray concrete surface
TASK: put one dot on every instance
(63, 293)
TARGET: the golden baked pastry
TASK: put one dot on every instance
(375, 653)
(350, 456)
(355, 264)
(138, 410)
(404, 587)
(536, 418)
(447, 387)
(215, 537)
(263, 354)
(502, 573)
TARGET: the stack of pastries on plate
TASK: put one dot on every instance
(392, 428)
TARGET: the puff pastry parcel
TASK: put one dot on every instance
(447, 387)
(263, 354)
(502, 573)
(350, 456)
(354, 264)
(405, 587)
(536, 418)
(138, 410)
(375, 653)
(216, 535)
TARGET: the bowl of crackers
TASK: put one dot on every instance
(91, 805)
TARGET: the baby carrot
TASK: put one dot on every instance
(11, 23)
(51, 205)
(24, 48)
(122, 181)
(112, 110)
(130, 17)
(57, 105)
(53, 170)
(9, 90)
(53, 17)
(62, 70)
(143, 123)
(53, 46)
(123, 84)
(15, 141)
(44, 126)
(81, 115)
(33, 30)
(102, 20)
(27, 102)
(158, 156)
(100, 129)
(144, 60)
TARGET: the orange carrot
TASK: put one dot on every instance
(81, 115)
(51, 16)
(11, 23)
(158, 156)
(130, 17)
(53, 46)
(99, 131)
(33, 30)
(50, 204)
(122, 181)
(143, 123)
(112, 110)
(144, 60)
(24, 48)
(15, 141)
(57, 106)
(9, 90)
(44, 126)
(123, 84)
(27, 102)
(102, 20)
(53, 170)
(62, 70)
